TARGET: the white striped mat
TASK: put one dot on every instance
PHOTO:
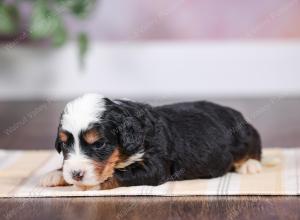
(20, 172)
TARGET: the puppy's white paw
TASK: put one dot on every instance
(53, 178)
(250, 166)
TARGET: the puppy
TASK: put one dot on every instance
(111, 143)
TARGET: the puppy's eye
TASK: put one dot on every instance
(100, 143)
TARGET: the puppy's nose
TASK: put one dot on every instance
(77, 175)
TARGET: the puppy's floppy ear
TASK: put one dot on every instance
(57, 145)
(131, 135)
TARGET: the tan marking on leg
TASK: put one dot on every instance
(85, 188)
(105, 170)
(110, 183)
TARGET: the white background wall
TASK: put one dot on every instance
(226, 69)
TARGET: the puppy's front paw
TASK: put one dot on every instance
(53, 178)
(250, 166)
(85, 188)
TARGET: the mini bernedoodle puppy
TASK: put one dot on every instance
(112, 143)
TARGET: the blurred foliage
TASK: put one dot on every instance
(47, 21)
(83, 46)
(9, 18)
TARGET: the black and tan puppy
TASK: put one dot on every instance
(111, 143)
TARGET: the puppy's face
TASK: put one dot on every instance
(89, 158)
(89, 155)
(90, 143)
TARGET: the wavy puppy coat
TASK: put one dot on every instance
(111, 143)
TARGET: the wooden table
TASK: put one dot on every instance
(32, 125)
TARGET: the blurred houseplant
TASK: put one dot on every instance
(46, 21)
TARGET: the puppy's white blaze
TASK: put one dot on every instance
(132, 159)
(80, 113)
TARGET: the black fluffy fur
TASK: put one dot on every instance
(179, 141)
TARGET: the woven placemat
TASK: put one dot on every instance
(20, 172)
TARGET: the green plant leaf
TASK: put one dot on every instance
(79, 8)
(9, 17)
(44, 22)
(59, 36)
(83, 45)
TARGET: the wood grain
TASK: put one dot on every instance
(200, 207)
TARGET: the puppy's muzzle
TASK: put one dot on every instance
(77, 175)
